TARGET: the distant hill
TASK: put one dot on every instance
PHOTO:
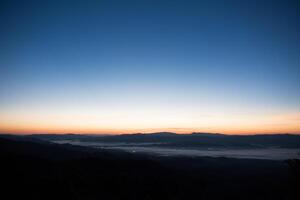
(186, 140)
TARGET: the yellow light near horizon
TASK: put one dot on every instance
(149, 121)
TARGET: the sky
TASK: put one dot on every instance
(144, 66)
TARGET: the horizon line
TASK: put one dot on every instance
(148, 133)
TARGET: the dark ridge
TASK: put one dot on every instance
(188, 140)
(35, 169)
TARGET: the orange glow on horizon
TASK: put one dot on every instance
(118, 124)
(150, 130)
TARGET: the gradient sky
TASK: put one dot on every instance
(142, 66)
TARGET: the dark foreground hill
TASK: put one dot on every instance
(35, 169)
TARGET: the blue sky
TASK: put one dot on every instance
(99, 62)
